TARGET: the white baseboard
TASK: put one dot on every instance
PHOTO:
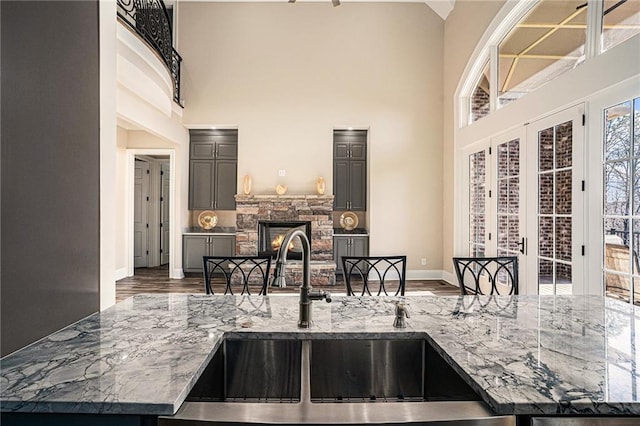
(450, 278)
(178, 273)
(432, 274)
(120, 274)
(424, 274)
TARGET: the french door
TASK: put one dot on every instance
(525, 199)
(494, 171)
(556, 204)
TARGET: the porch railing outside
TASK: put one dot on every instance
(150, 20)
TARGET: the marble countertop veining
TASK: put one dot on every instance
(522, 354)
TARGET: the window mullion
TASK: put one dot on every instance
(594, 28)
(493, 73)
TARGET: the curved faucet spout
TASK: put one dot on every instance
(306, 295)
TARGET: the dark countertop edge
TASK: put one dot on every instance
(103, 408)
(357, 231)
(221, 230)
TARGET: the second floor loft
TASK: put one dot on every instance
(152, 21)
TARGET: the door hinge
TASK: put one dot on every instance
(582, 249)
(160, 225)
(161, 173)
(489, 236)
(147, 171)
(161, 198)
(489, 150)
(489, 193)
(584, 119)
(147, 225)
(160, 251)
(147, 198)
(583, 186)
(147, 251)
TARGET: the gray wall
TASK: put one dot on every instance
(50, 167)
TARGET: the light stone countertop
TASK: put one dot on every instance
(522, 354)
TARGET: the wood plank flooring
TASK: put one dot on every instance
(156, 280)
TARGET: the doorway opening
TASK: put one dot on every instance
(151, 212)
(151, 222)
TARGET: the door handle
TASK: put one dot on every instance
(523, 244)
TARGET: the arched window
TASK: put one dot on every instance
(532, 42)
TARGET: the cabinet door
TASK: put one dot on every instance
(226, 148)
(358, 150)
(357, 185)
(200, 185)
(341, 149)
(340, 184)
(340, 248)
(193, 248)
(223, 245)
(202, 150)
(359, 246)
(226, 184)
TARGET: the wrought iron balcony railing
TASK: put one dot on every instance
(150, 20)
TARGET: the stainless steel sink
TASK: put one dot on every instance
(252, 371)
(355, 382)
(367, 370)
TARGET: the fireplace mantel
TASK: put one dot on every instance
(316, 209)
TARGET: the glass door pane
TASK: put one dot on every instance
(554, 209)
(508, 198)
(477, 203)
(621, 201)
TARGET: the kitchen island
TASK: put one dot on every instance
(523, 355)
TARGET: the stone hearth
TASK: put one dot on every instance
(317, 209)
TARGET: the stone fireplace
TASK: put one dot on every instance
(299, 210)
(272, 232)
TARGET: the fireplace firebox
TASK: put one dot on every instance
(271, 234)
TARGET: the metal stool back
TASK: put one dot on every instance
(487, 275)
(363, 274)
(243, 274)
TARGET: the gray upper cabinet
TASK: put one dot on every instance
(350, 169)
(213, 169)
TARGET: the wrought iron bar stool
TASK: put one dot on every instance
(487, 275)
(242, 273)
(363, 273)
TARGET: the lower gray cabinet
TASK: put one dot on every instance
(196, 246)
(349, 246)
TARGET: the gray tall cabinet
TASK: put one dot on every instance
(350, 169)
(213, 164)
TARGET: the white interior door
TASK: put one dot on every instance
(141, 215)
(164, 213)
(555, 204)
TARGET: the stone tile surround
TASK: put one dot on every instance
(317, 209)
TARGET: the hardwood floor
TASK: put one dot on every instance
(156, 280)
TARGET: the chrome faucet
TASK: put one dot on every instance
(307, 295)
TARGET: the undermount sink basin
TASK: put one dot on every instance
(382, 371)
(252, 371)
(354, 382)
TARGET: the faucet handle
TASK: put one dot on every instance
(319, 295)
(402, 311)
